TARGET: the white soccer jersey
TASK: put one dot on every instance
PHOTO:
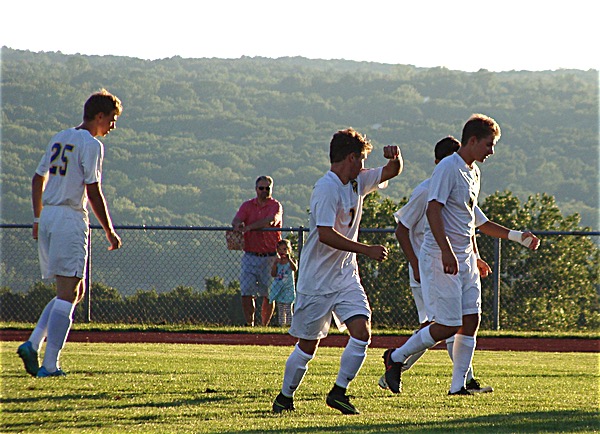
(412, 216)
(323, 269)
(456, 186)
(73, 158)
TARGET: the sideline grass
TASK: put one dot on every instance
(168, 388)
(196, 328)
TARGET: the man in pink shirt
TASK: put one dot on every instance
(260, 248)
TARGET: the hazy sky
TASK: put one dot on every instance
(463, 35)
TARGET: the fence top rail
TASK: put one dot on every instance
(285, 229)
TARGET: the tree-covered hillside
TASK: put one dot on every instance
(195, 133)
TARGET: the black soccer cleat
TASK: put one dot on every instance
(393, 372)
(341, 402)
(283, 403)
(462, 391)
(474, 386)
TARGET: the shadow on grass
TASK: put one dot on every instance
(529, 422)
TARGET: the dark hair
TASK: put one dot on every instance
(101, 102)
(480, 126)
(445, 147)
(287, 243)
(263, 178)
(345, 142)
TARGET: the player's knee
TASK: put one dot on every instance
(359, 327)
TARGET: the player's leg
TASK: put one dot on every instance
(423, 321)
(441, 293)
(40, 332)
(355, 352)
(465, 339)
(67, 261)
(450, 349)
(295, 370)
(311, 322)
(68, 290)
(28, 351)
(352, 308)
(462, 352)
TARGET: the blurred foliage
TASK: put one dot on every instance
(195, 133)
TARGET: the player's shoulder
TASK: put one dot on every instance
(452, 163)
(329, 180)
(328, 186)
(421, 188)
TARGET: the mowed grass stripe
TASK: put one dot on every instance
(177, 388)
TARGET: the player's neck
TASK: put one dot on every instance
(464, 153)
(90, 127)
(338, 169)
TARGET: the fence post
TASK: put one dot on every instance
(300, 240)
(496, 274)
(88, 281)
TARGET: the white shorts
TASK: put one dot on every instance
(62, 242)
(313, 313)
(417, 293)
(449, 297)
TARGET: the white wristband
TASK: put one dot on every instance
(518, 237)
(36, 219)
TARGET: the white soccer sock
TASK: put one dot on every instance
(449, 346)
(416, 343)
(40, 331)
(352, 360)
(59, 324)
(462, 356)
(295, 369)
(412, 360)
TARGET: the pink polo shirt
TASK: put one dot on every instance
(261, 241)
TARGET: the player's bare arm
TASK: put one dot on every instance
(484, 269)
(38, 184)
(436, 223)
(331, 237)
(402, 235)
(526, 239)
(98, 203)
(395, 164)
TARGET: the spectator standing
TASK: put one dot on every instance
(260, 248)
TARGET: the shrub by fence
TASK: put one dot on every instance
(183, 275)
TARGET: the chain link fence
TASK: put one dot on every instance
(186, 275)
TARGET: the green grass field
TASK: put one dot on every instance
(168, 388)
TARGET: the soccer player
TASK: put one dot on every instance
(409, 232)
(447, 261)
(328, 282)
(68, 175)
